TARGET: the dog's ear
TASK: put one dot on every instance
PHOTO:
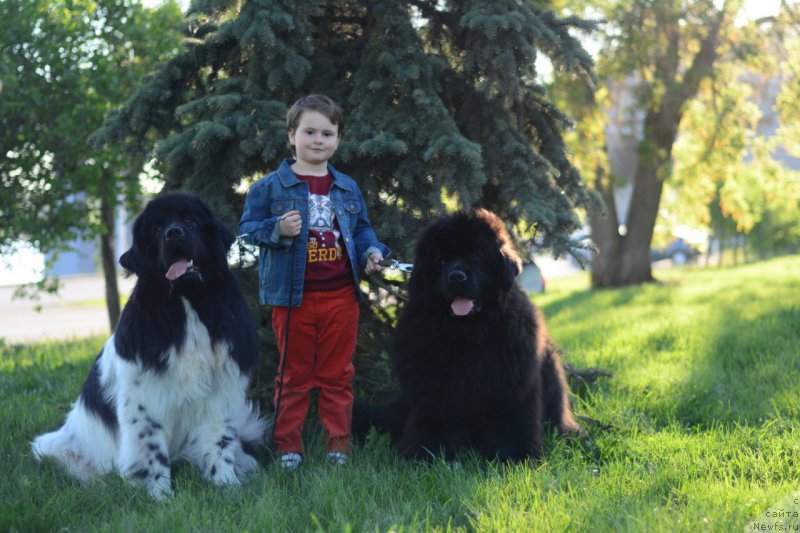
(511, 259)
(513, 266)
(130, 260)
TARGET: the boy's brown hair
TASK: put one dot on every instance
(319, 103)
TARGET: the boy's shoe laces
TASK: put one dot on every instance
(290, 461)
(337, 458)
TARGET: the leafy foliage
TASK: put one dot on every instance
(733, 170)
(685, 79)
(65, 65)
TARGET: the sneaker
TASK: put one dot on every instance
(290, 461)
(338, 458)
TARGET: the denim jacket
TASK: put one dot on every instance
(279, 257)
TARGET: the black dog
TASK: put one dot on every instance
(475, 364)
(171, 382)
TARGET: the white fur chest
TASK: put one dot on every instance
(194, 374)
(198, 367)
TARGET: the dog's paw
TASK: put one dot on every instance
(159, 487)
(160, 493)
(155, 478)
(223, 473)
(245, 463)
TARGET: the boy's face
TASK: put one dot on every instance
(315, 139)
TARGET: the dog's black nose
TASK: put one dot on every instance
(456, 276)
(174, 232)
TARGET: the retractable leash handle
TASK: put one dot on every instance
(393, 264)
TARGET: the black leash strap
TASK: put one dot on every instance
(282, 368)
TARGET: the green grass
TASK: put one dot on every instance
(703, 405)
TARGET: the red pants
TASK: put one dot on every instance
(322, 340)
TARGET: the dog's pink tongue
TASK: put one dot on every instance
(461, 306)
(177, 269)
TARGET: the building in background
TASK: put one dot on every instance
(27, 265)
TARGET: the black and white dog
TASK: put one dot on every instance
(171, 381)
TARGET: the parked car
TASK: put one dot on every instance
(531, 278)
(679, 251)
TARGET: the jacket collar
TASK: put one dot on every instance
(288, 179)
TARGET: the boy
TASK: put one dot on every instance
(310, 222)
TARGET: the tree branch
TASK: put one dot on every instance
(667, 64)
(794, 16)
(701, 65)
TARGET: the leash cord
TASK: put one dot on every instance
(282, 368)
(285, 347)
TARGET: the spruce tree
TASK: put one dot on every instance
(442, 102)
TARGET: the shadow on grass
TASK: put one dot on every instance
(717, 351)
(587, 320)
(747, 370)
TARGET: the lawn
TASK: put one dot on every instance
(702, 432)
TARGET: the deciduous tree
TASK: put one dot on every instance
(669, 48)
(65, 65)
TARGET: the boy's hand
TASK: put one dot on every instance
(290, 224)
(373, 265)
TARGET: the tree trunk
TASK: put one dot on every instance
(710, 245)
(745, 254)
(107, 239)
(605, 234)
(625, 259)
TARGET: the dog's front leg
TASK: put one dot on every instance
(144, 456)
(212, 448)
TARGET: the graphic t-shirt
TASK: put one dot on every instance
(327, 264)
